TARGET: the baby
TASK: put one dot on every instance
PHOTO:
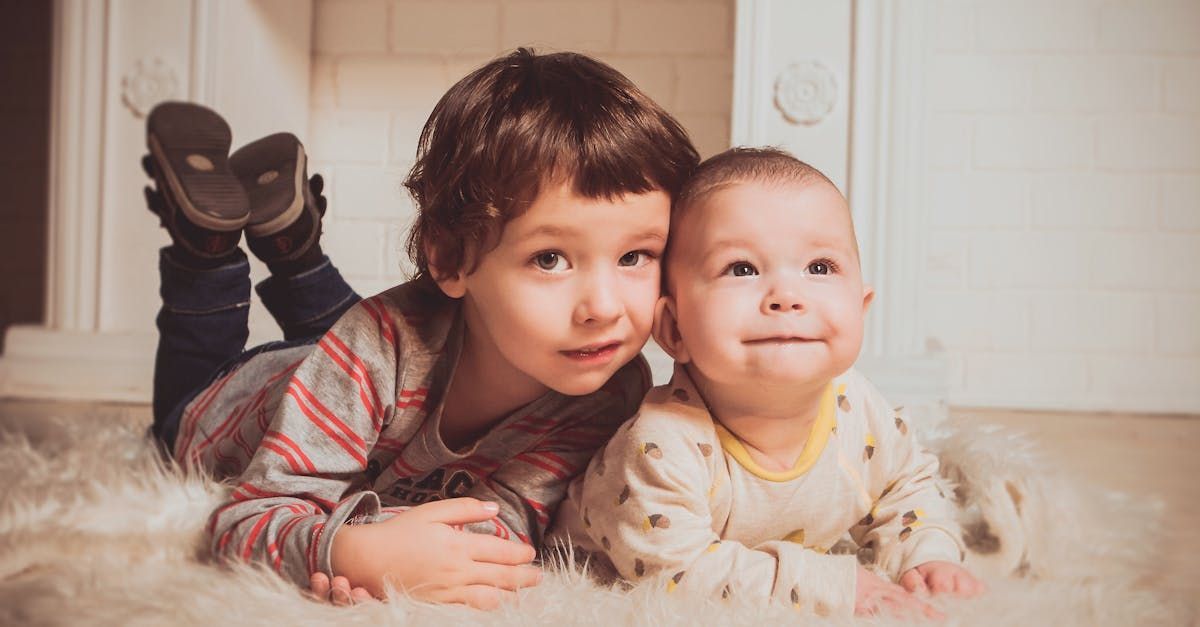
(766, 447)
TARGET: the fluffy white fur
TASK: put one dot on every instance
(94, 529)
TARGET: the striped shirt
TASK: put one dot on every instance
(347, 430)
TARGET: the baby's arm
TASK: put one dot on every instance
(911, 521)
(646, 502)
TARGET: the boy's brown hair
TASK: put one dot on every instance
(524, 121)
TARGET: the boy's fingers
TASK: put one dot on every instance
(504, 577)
(499, 551)
(360, 595)
(480, 597)
(318, 586)
(459, 511)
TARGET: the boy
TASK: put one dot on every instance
(543, 185)
(738, 476)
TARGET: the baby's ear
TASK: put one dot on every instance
(666, 330)
(452, 284)
(868, 296)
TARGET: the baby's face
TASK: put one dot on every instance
(767, 286)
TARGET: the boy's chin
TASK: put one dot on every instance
(579, 384)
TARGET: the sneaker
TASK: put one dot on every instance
(286, 207)
(197, 198)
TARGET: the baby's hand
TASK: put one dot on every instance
(339, 593)
(938, 577)
(874, 593)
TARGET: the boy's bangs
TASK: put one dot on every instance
(593, 130)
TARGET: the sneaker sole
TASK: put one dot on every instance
(272, 171)
(190, 147)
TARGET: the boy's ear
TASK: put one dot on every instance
(453, 285)
(868, 297)
(666, 330)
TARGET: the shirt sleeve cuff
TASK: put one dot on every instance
(363, 504)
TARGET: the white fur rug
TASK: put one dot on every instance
(94, 530)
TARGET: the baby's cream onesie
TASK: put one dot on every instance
(675, 494)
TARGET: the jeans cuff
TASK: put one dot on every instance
(191, 291)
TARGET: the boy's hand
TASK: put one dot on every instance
(337, 593)
(874, 593)
(424, 552)
(939, 577)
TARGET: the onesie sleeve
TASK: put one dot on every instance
(911, 521)
(646, 501)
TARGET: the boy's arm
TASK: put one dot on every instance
(911, 521)
(531, 485)
(294, 495)
(647, 503)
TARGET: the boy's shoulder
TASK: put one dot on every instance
(415, 317)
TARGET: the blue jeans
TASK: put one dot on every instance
(202, 326)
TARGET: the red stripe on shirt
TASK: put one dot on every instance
(312, 547)
(296, 391)
(351, 435)
(282, 452)
(291, 444)
(360, 366)
(248, 545)
(533, 461)
(387, 326)
(358, 372)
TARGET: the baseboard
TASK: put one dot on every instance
(40, 363)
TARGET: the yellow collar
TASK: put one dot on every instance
(817, 439)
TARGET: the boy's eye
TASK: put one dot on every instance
(741, 268)
(634, 258)
(820, 267)
(550, 261)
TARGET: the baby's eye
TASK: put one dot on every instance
(741, 268)
(550, 261)
(635, 258)
(821, 266)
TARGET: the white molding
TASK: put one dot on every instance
(231, 52)
(77, 365)
(884, 175)
(750, 75)
(76, 144)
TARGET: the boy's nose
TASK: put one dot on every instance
(599, 305)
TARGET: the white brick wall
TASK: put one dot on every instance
(1062, 261)
(380, 66)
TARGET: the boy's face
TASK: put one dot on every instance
(567, 296)
(766, 287)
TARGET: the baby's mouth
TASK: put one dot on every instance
(779, 340)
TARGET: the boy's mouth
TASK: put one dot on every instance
(594, 352)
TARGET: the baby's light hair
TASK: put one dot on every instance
(743, 165)
(771, 166)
